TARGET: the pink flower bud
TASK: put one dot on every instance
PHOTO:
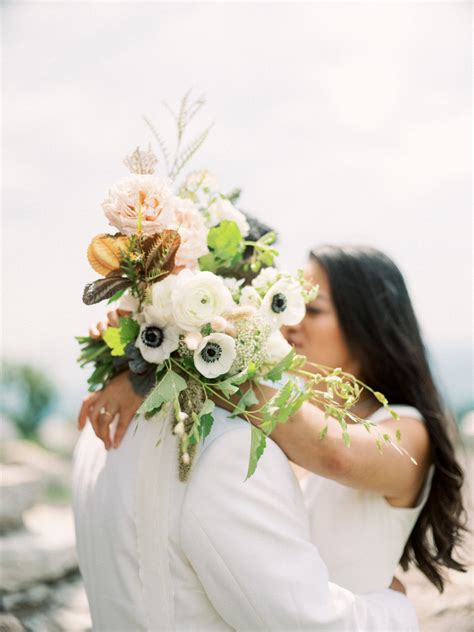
(192, 340)
(218, 323)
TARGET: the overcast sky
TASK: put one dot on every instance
(342, 122)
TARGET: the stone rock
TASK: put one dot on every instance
(54, 468)
(20, 488)
(9, 623)
(29, 598)
(8, 431)
(44, 550)
(66, 608)
(58, 434)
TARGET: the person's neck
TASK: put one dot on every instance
(366, 406)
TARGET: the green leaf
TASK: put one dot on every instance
(230, 386)
(208, 407)
(323, 432)
(116, 296)
(277, 371)
(166, 390)
(208, 263)
(398, 435)
(346, 438)
(225, 243)
(381, 398)
(206, 418)
(258, 443)
(248, 399)
(117, 338)
(278, 408)
(206, 425)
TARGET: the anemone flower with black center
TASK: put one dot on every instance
(215, 355)
(283, 304)
(157, 340)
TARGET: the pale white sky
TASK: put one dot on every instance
(341, 122)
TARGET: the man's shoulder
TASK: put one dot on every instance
(234, 433)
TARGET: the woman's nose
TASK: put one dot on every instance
(288, 330)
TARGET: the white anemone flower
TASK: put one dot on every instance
(215, 355)
(157, 339)
(198, 298)
(283, 304)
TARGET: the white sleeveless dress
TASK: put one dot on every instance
(360, 536)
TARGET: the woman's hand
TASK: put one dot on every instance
(117, 398)
(96, 331)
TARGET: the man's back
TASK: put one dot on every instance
(216, 553)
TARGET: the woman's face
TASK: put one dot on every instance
(319, 336)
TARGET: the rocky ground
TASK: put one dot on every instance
(40, 586)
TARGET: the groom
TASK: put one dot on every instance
(216, 553)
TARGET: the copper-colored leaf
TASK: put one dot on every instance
(160, 254)
(104, 252)
(104, 288)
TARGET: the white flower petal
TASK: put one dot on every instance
(198, 299)
(223, 348)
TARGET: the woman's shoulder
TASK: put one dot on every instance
(402, 410)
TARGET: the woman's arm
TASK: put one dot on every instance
(362, 466)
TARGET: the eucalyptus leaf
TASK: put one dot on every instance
(276, 373)
(166, 390)
(258, 443)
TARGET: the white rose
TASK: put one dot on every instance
(222, 209)
(283, 304)
(198, 298)
(215, 355)
(277, 347)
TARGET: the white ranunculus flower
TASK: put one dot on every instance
(283, 304)
(222, 209)
(198, 298)
(250, 296)
(157, 340)
(215, 355)
(161, 291)
(277, 347)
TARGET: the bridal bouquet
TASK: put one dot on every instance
(205, 306)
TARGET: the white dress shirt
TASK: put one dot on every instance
(216, 553)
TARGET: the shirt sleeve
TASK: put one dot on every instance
(249, 543)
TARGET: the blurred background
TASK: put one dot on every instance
(341, 122)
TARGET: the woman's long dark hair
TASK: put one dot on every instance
(380, 327)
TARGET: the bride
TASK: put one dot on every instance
(378, 510)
